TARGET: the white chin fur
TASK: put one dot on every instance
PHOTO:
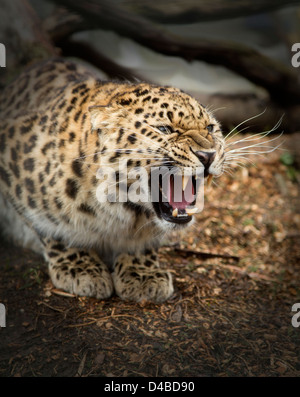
(170, 226)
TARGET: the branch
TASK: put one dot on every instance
(191, 11)
(73, 48)
(280, 80)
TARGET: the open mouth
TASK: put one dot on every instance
(177, 198)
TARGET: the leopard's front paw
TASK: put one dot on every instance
(140, 278)
(80, 273)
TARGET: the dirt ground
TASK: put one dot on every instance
(236, 274)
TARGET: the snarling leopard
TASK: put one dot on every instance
(59, 126)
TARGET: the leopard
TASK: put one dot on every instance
(59, 125)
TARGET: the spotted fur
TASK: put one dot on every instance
(58, 125)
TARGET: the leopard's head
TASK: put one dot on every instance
(143, 127)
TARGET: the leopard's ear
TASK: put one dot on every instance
(103, 114)
(96, 113)
(108, 106)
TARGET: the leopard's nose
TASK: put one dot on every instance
(206, 158)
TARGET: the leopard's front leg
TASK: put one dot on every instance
(139, 278)
(77, 271)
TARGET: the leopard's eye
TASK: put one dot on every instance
(165, 129)
(210, 128)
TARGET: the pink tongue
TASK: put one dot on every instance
(187, 197)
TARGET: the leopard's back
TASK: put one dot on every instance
(43, 129)
(40, 86)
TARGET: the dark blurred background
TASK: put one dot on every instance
(233, 56)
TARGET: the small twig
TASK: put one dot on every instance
(62, 293)
(80, 325)
(292, 235)
(81, 365)
(56, 309)
(204, 255)
(115, 316)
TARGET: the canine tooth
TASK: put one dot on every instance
(175, 212)
(209, 179)
(185, 180)
(191, 211)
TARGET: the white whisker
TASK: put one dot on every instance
(257, 145)
(243, 122)
(145, 224)
(254, 137)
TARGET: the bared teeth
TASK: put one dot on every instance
(175, 213)
(185, 180)
(209, 179)
(187, 211)
(191, 211)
